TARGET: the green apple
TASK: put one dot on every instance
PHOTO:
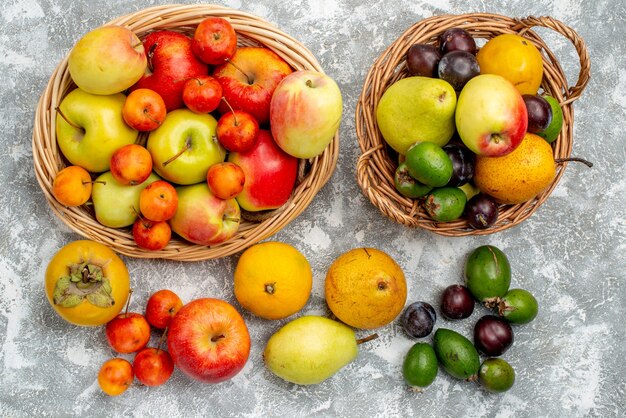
(90, 128)
(185, 146)
(416, 109)
(117, 205)
(107, 60)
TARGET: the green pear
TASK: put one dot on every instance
(417, 109)
(310, 349)
(116, 204)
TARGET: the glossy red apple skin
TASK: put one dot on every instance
(214, 40)
(251, 92)
(161, 307)
(270, 174)
(491, 116)
(202, 94)
(237, 131)
(153, 366)
(209, 340)
(171, 62)
(128, 332)
(151, 235)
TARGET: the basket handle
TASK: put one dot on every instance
(578, 42)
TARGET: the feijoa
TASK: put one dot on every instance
(407, 185)
(445, 204)
(496, 375)
(518, 306)
(456, 354)
(420, 365)
(487, 274)
(552, 131)
(429, 164)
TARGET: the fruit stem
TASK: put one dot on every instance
(231, 109)
(366, 339)
(150, 55)
(95, 181)
(179, 153)
(269, 288)
(578, 160)
(130, 293)
(73, 125)
(146, 112)
(162, 339)
(240, 70)
(309, 83)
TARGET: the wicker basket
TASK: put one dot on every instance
(251, 30)
(375, 167)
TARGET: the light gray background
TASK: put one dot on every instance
(570, 253)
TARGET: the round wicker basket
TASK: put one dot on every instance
(375, 167)
(251, 30)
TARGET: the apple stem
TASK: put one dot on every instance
(149, 116)
(130, 293)
(578, 160)
(95, 181)
(366, 339)
(150, 55)
(231, 109)
(162, 339)
(73, 125)
(309, 83)
(179, 153)
(240, 70)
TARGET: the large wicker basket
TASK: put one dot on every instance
(375, 167)
(251, 30)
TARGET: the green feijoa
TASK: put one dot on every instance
(554, 128)
(487, 274)
(496, 375)
(429, 164)
(456, 354)
(445, 204)
(518, 306)
(420, 365)
(407, 185)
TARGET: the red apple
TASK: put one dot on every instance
(128, 332)
(202, 217)
(209, 340)
(214, 40)
(202, 94)
(270, 174)
(491, 116)
(144, 110)
(225, 180)
(115, 376)
(151, 235)
(153, 366)
(170, 63)
(158, 201)
(131, 164)
(237, 131)
(249, 79)
(161, 307)
(305, 113)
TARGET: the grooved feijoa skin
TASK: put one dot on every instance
(456, 354)
(487, 273)
(420, 365)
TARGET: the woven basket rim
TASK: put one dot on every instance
(375, 168)
(251, 30)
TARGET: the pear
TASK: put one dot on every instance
(417, 109)
(310, 349)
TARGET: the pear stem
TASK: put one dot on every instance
(72, 124)
(240, 70)
(366, 339)
(578, 160)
